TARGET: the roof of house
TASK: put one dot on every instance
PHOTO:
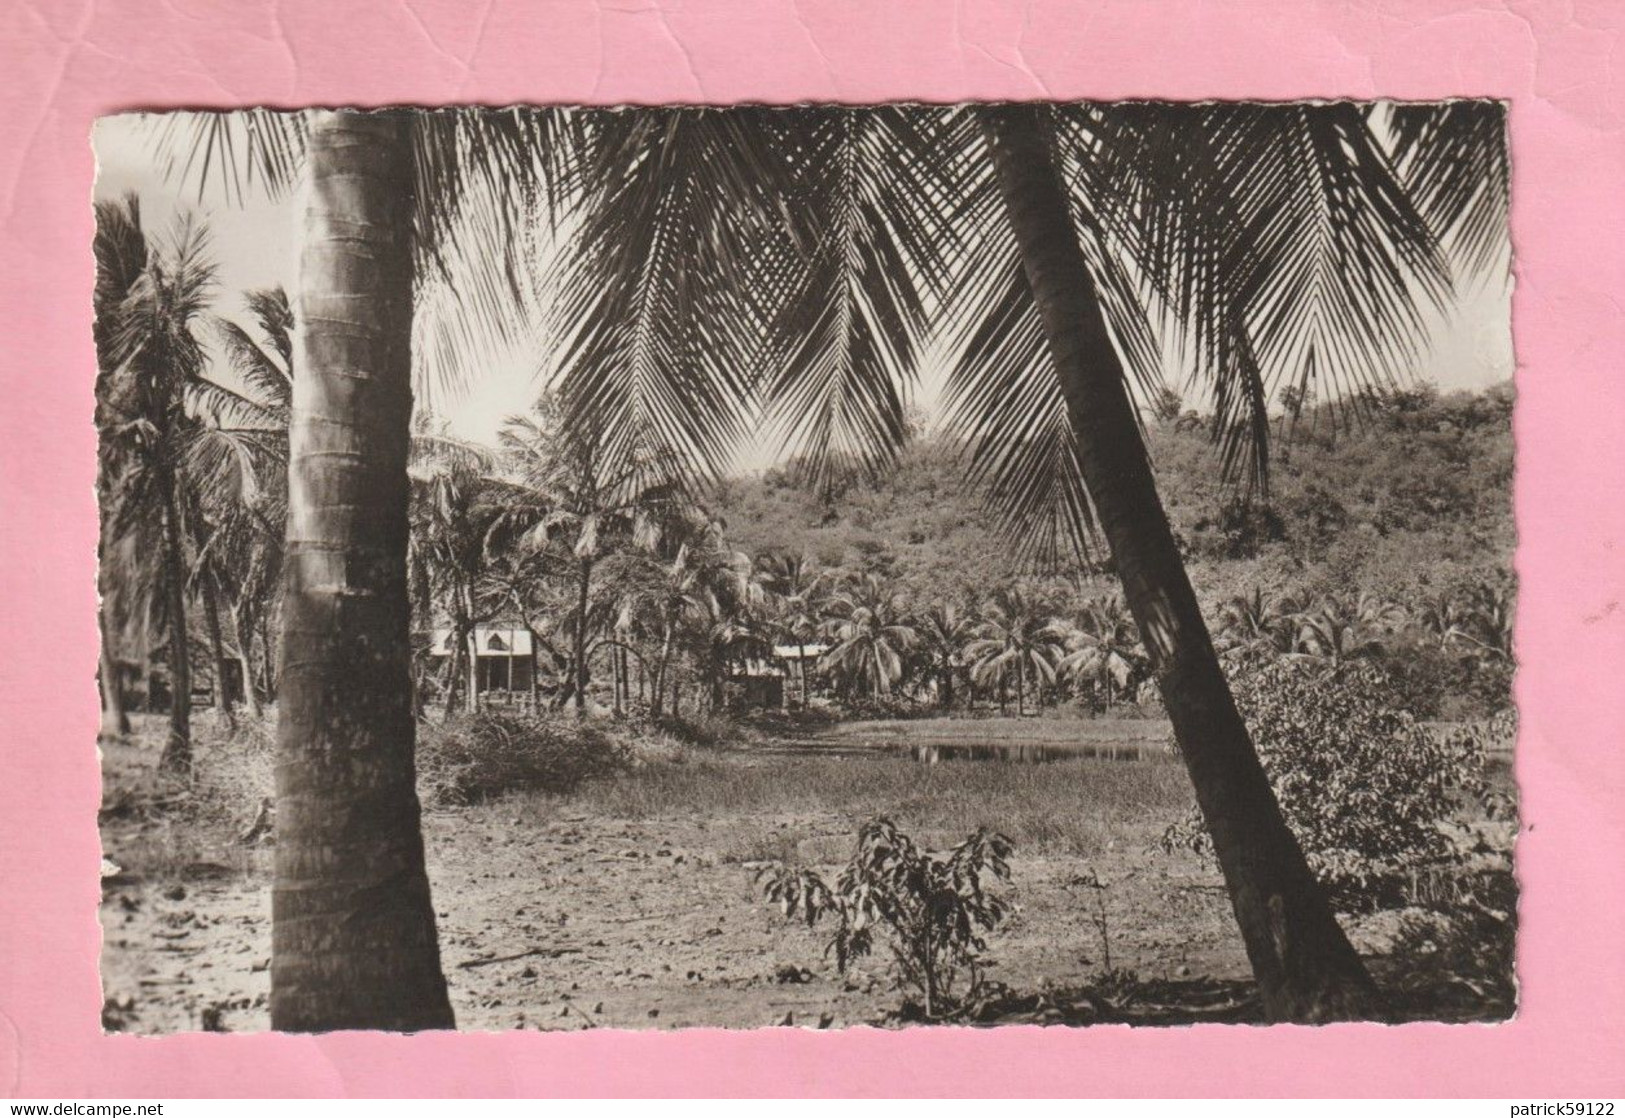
(795, 651)
(490, 641)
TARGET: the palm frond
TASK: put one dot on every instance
(1003, 399)
(661, 347)
(1452, 157)
(873, 185)
(238, 153)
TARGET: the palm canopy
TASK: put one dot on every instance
(871, 636)
(169, 424)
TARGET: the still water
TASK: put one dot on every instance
(932, 754)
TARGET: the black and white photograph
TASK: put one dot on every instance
(806, 566)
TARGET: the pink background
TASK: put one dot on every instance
(66, 61)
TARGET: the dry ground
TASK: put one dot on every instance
(634, 903)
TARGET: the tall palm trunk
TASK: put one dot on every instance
(535, 683)
(461, 636)
(269, 666)
(245, 657)
(353, 938)
(115, 721)
(177, 755)
(801, 671)
(1305, 966)
(217, 648)
(583, 598)
(658, 684)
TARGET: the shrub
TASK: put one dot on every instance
(934, 907)
(1445, 683)
(703, 730)
(487, 754)
(1468, 957)
(1367, 790)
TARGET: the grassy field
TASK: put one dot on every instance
(634, 901)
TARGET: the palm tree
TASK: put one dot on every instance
(1258, 622)
(1488, 623)
(567, 504)
(946, 634)
(1017, 636)
(686, 602)
(1284, 240)
(236, 465)
(1440, 617)
(1105, 649)
(121, 256)
(152, 380)
(795, 585)
(450, 520)
(1341, 628)
(354, 943)
(871, 638)
(252, 463)
(353, 934)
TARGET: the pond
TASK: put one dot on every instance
(932, 753)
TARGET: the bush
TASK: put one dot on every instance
(1469, 956)
(485, 755)
(1447, 684)
(1369, 792)
(934, 907)
(703, 730)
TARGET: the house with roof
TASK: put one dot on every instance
(501, 659)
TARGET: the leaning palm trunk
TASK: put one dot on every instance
(177, 755)
(1305, 966)
(353, 935)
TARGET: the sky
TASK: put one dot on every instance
(254, 243)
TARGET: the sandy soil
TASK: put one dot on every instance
(638, 924)
(553, 918)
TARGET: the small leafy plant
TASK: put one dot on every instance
(935, 909)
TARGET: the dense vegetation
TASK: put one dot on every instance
(1386, 533)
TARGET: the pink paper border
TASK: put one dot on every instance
(69, 60)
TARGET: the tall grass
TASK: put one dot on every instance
(1075, 807)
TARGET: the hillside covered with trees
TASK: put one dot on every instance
(1385, 531)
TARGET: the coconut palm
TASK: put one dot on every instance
(687, 601)
(1440, 617)
(1487, 625)
(795, 589)
(569, 506)
(151, 307)
(1285, 241)
(1343, 628)
(1104, 649)
(1258, 622)
(253, 466)
(869, 636)
(237, 466)
(452, 515)
(391, 198)
(1017, 637)
(946, 634)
